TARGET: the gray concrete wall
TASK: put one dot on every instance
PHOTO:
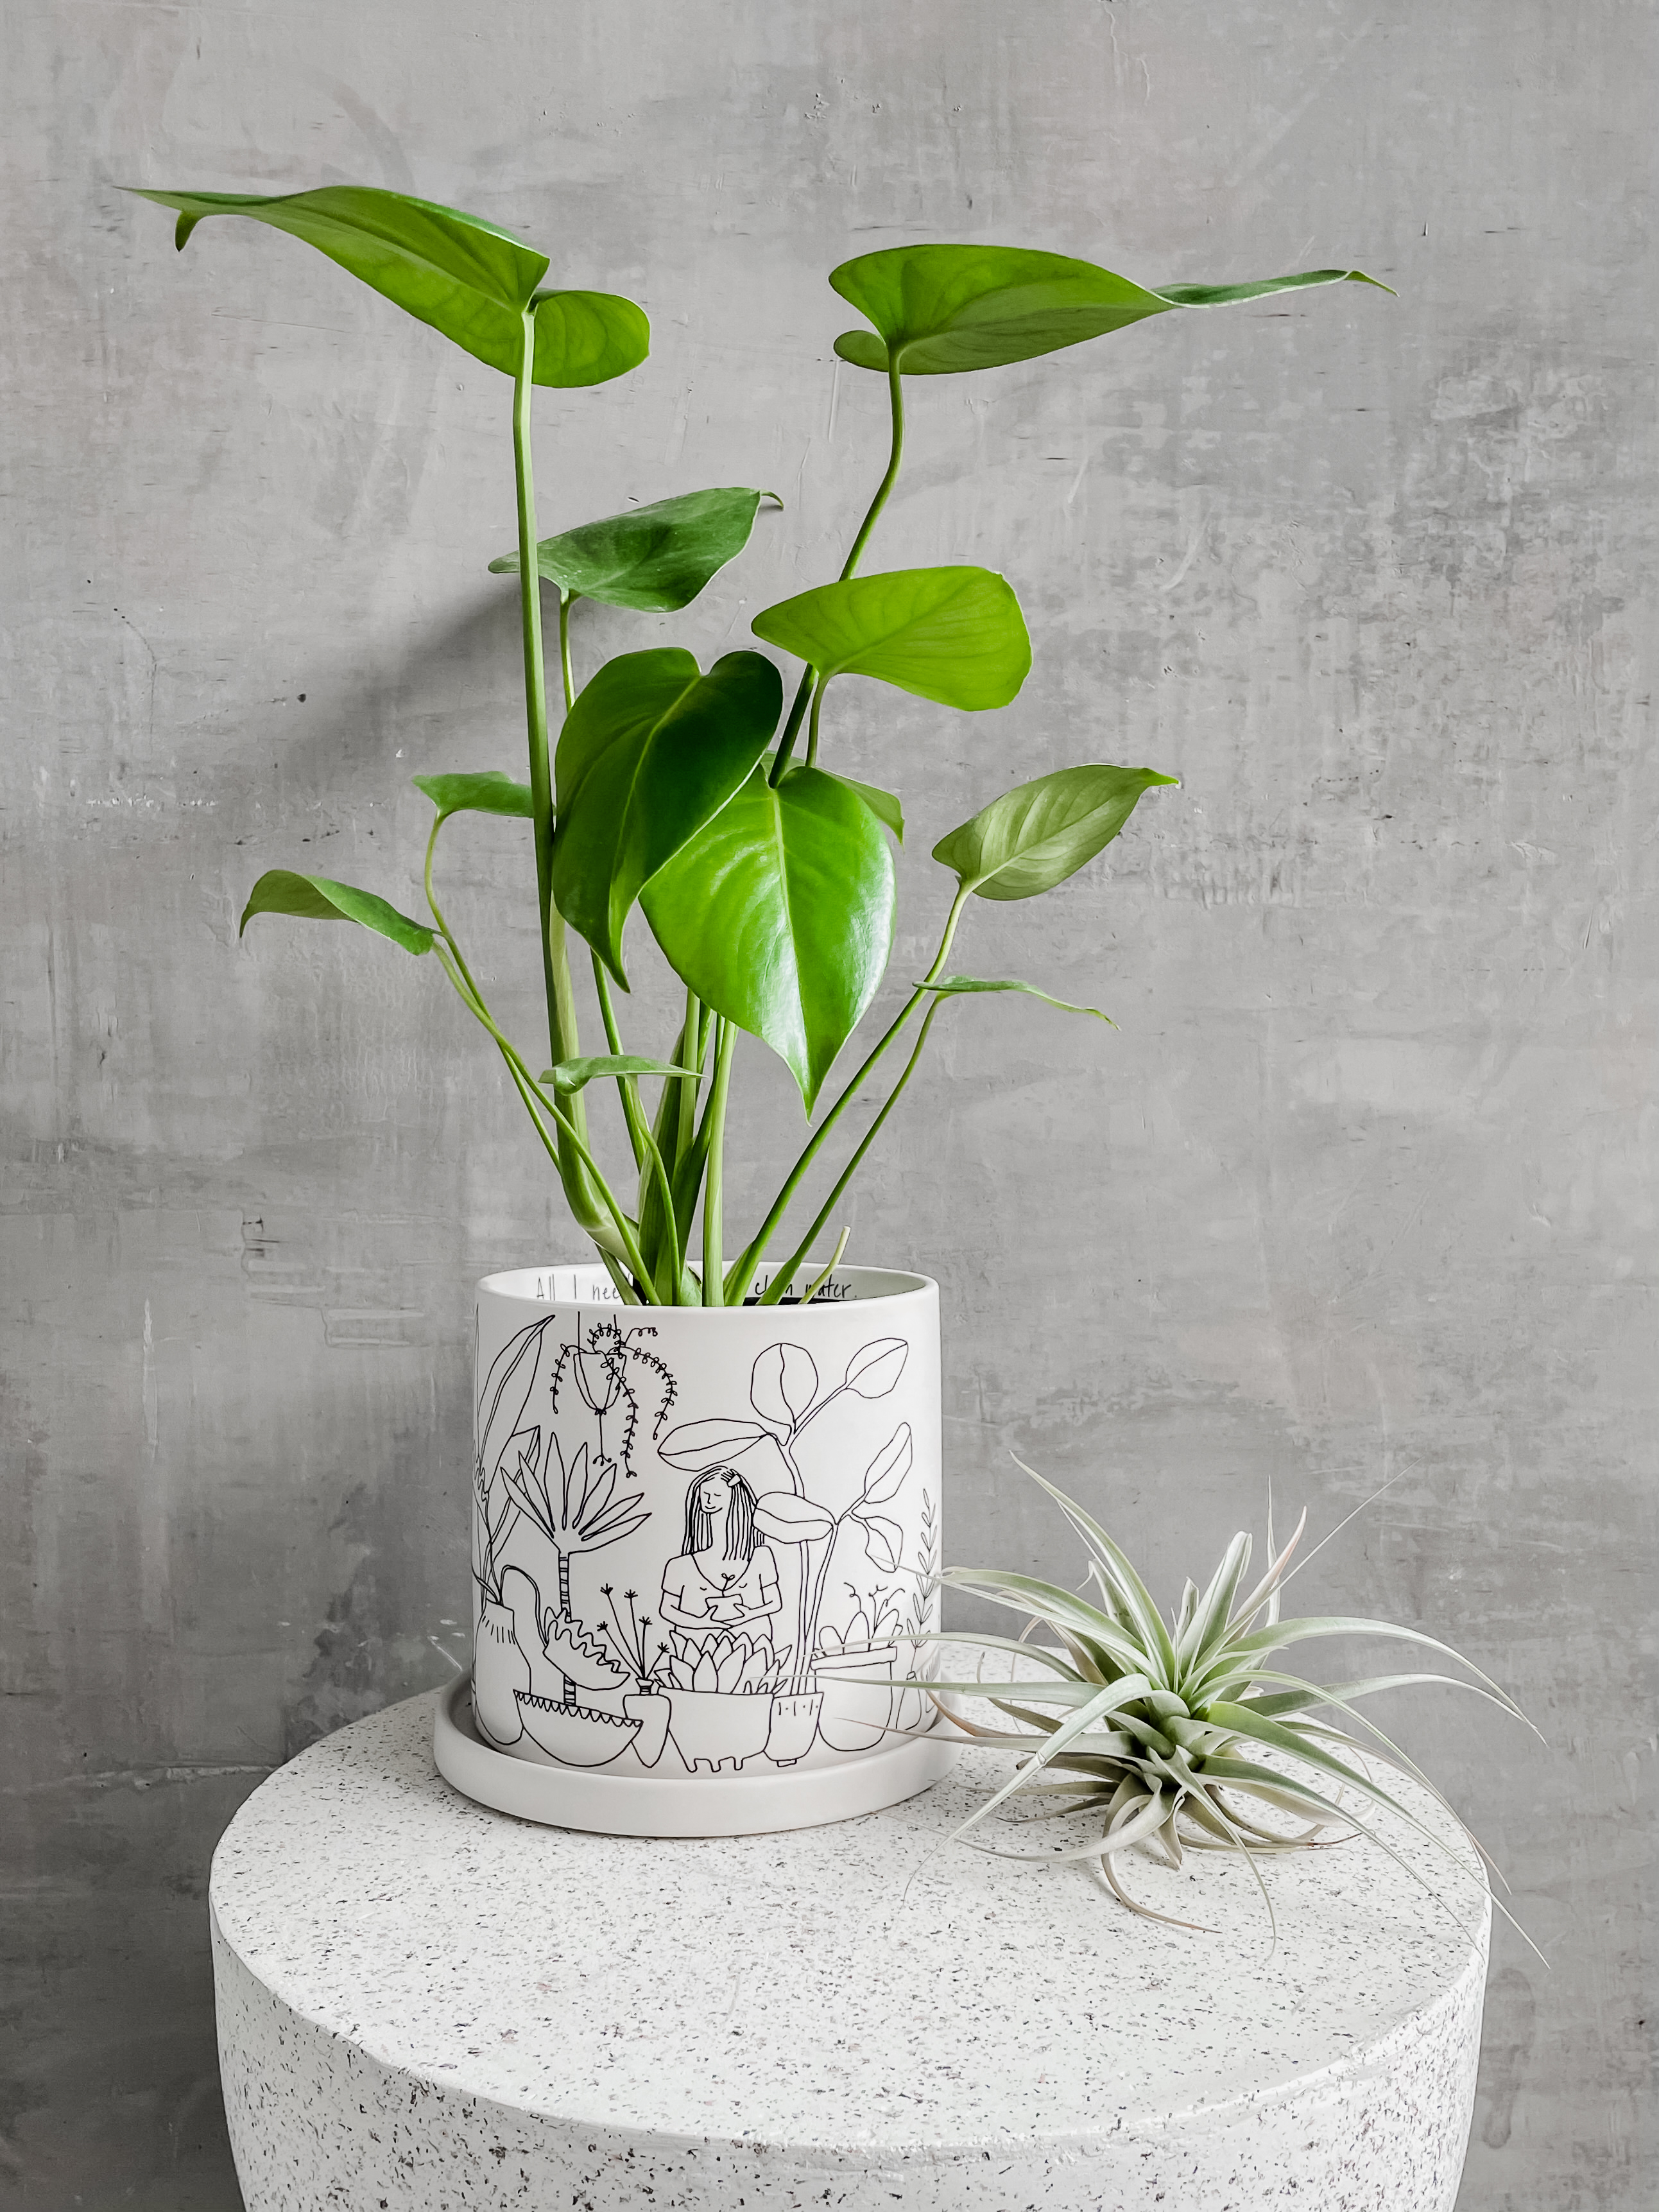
(1362, 1189)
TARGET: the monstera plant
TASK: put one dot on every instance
(764, 875)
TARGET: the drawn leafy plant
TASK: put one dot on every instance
(577, 1508)
(876, 1619)
(784, 1391)
(729, 1665)
(766, 879)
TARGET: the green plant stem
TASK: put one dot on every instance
(537, 1099)
(895, 404)
(562, 1037)
(755, 1251)
(713, 1280)
(566, 672)
(812, 726)
(809, 676)
(774, 1290)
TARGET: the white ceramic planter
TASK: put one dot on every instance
(703, 1544)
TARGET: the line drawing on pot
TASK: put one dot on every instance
(785, 1394)
(574, 1496)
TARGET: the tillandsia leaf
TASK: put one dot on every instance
(954, 636)
(1115, 1562)
(654, 559)
(461, 275)
(651, 751)
(943, 309)
(779, 914)
(1039, 833)
(318, 899)
(577, 1074)
(883, 805)
(949, 984)
(489, 792)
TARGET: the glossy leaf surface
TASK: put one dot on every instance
(1036, 835)
(956, 635)
(577, 1074)
(779, 914)
(950, 986)
(489, 792)
(943, 309)
(651, 749)
(653, 558)
(463, 276)
(318, 899)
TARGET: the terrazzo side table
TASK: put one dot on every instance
(425, 2007)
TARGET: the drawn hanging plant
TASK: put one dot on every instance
(1153, 1732)
(784, 1391)
(766, 879)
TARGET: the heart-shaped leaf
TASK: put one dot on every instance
(577, 1074)
(884, 1477)
(783, 1383)
(790, 1519)
(699, 1445)
(883, 1539)
(953, 635)
(1039, 833)
(883, 805)
(318, 899)
(779, 914)
(489, 792)
(462, 276)
(941, 309)
(874, 1368)
(653, 558)
(651, 750)
(949, 984)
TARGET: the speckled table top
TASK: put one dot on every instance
(868, 1985)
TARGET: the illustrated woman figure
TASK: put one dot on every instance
(726, 1579)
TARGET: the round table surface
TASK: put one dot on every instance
(864, 1987)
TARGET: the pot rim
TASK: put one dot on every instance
(584, 1284)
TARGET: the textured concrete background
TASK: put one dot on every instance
(1362, 1189)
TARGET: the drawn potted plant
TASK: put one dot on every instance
(647, 1703)
(502, 1670)
(785, 1393)
(720, 1691)
(697, 799)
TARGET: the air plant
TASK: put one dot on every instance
(1155, 1730)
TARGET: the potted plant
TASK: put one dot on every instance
(766, 880)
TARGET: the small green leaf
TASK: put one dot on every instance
(653, 558)
(1036, 835)
(454, 271)
(942, 309)
(779, 914)
(883, 805)
(489, 792)
(577, 1074)
(317, 898)
(956, 635)
(651, 749)
(948, 984)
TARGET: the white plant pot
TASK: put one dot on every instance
(703, 1546)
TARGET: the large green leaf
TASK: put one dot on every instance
(650, 750)
(487, 792)
(779, 915)
(652, 558)
(883, 805)
(940, 309)
(318, 899)
(952, 635)
(950, 986)
(462, 276)
(1039, 833)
